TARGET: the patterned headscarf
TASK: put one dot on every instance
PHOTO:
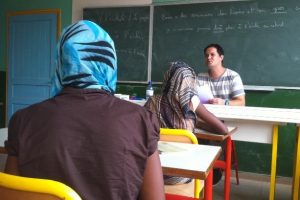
(172, 106)
(86, 58)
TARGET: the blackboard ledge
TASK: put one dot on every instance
(246, 87)
(287, 88)
(134, 82)
(268, 88)
(259, 88)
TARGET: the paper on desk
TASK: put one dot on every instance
(164, 147)
(204, 93)
(122, 96)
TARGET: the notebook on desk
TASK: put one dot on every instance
(167, 147)
(198, 130)
(203, 134)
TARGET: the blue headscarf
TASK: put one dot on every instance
(86, 58)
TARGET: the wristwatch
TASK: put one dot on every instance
(226, 103)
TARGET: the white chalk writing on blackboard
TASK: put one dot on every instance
(130, 51)
(222, 28)
(122, 17)
(278, 10)
(128, 35)
(198, 15)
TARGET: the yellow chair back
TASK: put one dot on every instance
(16, 188)
(184, 136)
(177, 135)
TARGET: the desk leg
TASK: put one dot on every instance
(273, 162)
(196, 189)
(227, 169)
(296, 178)
(208, 186)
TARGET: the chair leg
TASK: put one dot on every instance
(234, 162)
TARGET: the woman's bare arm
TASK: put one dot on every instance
(209, 122)
(11, 166)
(153, 185)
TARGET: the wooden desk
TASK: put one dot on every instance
(189, 160)
(260, 125)
(256, 124)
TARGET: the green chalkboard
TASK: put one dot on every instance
(129, 28)
(261, 38)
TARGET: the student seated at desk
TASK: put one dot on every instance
(99, 145)
(179, 105)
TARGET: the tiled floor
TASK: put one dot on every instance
(254, 189)
(252, 186)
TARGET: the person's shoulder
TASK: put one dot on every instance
(236, 80)
(37, 105)
(233, 75)
(31, 109)
(127, 105)
(137, 112)
(124, 102)
(231, 72)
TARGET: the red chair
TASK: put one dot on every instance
(183, 136)
(234, 162)
(223, 164)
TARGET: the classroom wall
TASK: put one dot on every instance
(252, 157)
(18, 5)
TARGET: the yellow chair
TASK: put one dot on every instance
(184, 136)
(18, 188)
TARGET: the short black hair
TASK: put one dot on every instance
(220, 50)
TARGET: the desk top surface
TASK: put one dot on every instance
(272, 115)
(188, 160)
(249, 113)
